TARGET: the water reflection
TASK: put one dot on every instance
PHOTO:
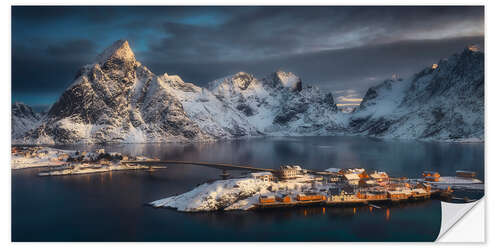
(111, 206)
(398, 157)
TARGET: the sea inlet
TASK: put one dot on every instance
(113, 206)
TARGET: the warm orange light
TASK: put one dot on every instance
(387, 214)
(347, 104)
(473, 47)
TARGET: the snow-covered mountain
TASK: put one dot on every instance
(442, 102)
(117, 99)
(23, 119)
(278, 104)
(242, 105)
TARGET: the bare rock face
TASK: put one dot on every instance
(442, 102)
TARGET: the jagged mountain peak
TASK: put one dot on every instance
(287, 80)
(444, 101)
(23, 119)
(19, 105)
(24, 110)
(473, 47)
(242, 73)
(119, 100)
(119, 50)
(241, 76)
(240, 80)
(171, 78)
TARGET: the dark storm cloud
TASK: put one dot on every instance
(41, 67)
(338, 48)
(72, 48)
(353, 68)
(144, 15)
(276, 31)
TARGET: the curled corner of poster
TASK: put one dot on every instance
(462, 222)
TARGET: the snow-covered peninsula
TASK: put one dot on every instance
(300, 187)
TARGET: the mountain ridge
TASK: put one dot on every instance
(118, 100)
(441, 102)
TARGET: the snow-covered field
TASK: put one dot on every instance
(232, 194)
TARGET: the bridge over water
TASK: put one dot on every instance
(222, 166)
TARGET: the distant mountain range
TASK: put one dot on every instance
(118, 100)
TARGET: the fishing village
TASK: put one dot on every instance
(258, 188)
(291, 186)
(338, 187)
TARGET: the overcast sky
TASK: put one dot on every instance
(340, 49)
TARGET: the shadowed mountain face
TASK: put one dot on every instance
(117, 99)
(442, 102)
(23, 119)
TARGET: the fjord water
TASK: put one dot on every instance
(112, 206)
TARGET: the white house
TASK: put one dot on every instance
(289, 172)
(352, 179)
(264, 176)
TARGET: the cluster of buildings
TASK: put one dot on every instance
(69, 162)
(431, 176)
(29, 152)
(98, 156)
(341, 186)
(286, 172)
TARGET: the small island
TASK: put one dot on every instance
(292, 185)
(72, 162)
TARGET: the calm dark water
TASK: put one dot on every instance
(111, 206)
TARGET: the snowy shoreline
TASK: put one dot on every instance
(96, 169)
(71, 162)
(244, 193)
